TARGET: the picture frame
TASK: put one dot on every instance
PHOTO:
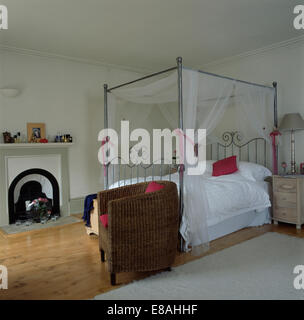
(35, 132)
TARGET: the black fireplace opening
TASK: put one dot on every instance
(30, 191)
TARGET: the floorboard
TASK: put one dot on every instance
(64, 262)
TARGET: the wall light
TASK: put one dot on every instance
(9, 92)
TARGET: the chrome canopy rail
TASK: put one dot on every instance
(142, 78)
(233, 79)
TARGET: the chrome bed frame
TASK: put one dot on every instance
(254, 150)
(231, 144)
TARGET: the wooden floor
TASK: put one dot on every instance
(64, 262)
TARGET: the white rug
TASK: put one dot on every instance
(261, 268)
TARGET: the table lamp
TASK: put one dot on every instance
(292, 122)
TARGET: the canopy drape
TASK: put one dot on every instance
(207, 102)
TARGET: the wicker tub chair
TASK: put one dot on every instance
(142, 232)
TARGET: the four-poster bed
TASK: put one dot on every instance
(190, 85)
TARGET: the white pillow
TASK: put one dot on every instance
(253, 171)
(209, 165)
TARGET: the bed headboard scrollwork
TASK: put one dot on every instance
(233, 143)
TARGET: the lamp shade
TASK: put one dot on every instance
(292, 121)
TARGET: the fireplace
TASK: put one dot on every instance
(46, 163)
(30, 185)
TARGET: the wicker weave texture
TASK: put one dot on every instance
(142, 234)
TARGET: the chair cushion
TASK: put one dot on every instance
(225, 166)
(104, 220)
(154, 186)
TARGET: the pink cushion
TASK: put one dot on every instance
(154, 186)
(104, 220)
(225, 166)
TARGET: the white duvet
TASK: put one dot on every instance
(228, 195)
(231, 195)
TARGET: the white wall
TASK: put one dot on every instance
(68, 97)
(284, 65)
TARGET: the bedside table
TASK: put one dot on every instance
(288, 199)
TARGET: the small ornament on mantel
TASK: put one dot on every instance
(33, 138)
(7, 138)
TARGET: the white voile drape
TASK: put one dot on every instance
(206, 99)
(194, 227)
(206, 102)
(256, 104)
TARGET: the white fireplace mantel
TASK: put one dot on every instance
(35, 145)
(52, 157)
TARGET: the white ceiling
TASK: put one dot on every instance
(148, 34)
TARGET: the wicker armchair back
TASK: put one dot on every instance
(142, 233)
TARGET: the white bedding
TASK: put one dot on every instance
(228, 195)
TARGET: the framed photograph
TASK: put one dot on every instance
(35, 132)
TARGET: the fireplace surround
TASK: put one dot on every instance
(49, 161)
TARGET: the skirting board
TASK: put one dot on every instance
(76, 205)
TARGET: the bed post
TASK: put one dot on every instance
(106, 125)
(181, 127)
(275, 113)
(275, 110)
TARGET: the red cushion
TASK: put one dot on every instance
(154, 186)
(104, 220)
(225, 166)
